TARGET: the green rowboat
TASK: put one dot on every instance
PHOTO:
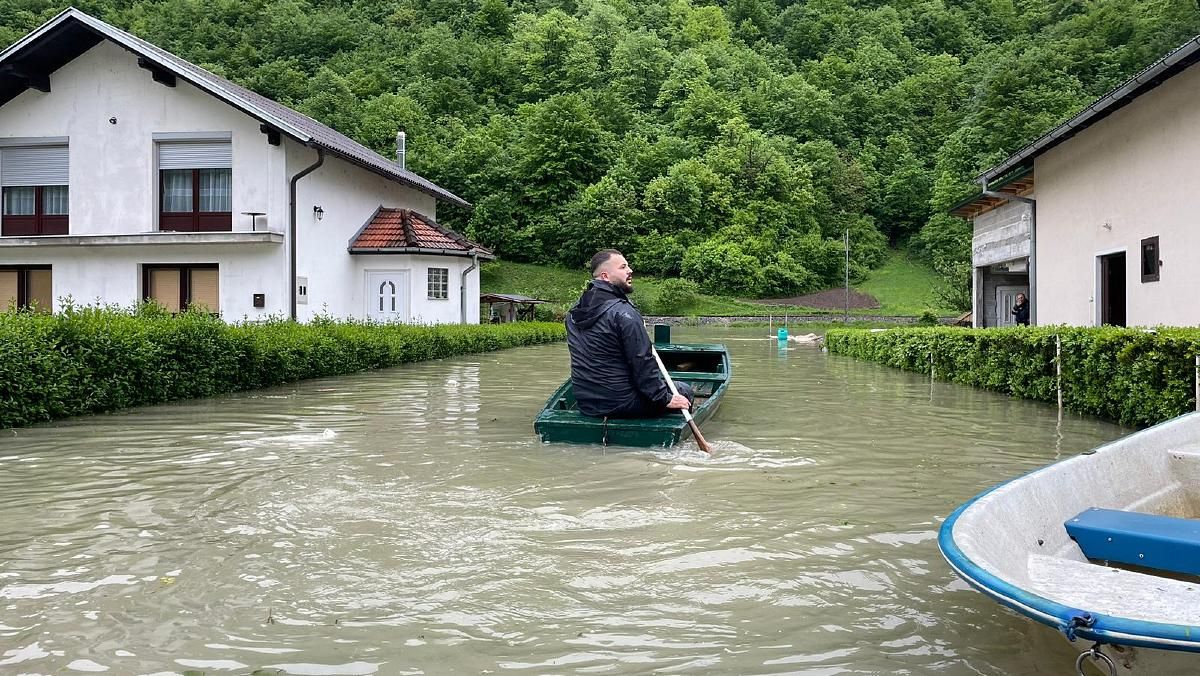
(705, 367)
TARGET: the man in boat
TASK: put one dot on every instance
(613, 372)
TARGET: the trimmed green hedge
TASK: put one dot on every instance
(1132, 376)
(94, 360)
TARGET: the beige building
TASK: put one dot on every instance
(1100, 218)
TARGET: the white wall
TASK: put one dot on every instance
(114, 182)
(349, 197)
(422, 309)
(1137, 172)
(113, 275)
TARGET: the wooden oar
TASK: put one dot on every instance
(687, 415)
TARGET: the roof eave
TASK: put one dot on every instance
(960, 210)
(421, 251)
(444, 195)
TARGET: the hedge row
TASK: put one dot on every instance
(1133, 376)
(93, 360)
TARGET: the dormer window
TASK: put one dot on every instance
(196, 186)
(36, 195)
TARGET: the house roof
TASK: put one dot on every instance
(1152, 76)
(394, 231)
(1019, 182)
(30, 61)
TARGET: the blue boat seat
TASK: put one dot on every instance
(1152, 541)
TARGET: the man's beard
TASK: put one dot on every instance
(624, 285)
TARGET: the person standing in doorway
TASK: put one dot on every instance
(1020, 311)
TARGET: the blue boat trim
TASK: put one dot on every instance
(1105, 628)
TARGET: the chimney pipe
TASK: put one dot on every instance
(400, 138)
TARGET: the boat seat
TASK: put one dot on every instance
(698, 376)
(1152, 541)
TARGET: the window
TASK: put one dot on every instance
(36, 198)
(439, 283)
(195, 186)
(26, 286)
(1150, 262)
(179, 287)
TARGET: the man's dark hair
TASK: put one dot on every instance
(602, 257)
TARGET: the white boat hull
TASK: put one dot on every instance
(1011, 544)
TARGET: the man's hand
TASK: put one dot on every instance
(679, 402)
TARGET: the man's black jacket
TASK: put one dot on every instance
(613, 371)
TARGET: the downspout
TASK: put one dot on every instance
(1033, 306)
(462, 286)
(292, 227)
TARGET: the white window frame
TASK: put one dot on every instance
(431, 290)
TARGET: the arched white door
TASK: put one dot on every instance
(387, 295)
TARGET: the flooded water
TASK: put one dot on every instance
(407, 521)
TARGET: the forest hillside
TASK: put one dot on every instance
(731, 143)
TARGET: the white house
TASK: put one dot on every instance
(128, 173)
(1108, 233)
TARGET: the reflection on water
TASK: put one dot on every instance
(408, 521)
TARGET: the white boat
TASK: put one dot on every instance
(1133, 506)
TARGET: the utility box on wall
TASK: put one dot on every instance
(260, 300)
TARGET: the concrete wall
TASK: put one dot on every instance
(422, 310)
(115, 190)
(1130, 176)
(1001, 234)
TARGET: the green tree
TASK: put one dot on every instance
(553, 54)
(561, 148)
(639, 65)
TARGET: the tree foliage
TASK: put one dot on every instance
(733, 142)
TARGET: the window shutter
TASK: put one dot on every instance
(195, 155)
(41, 290)
(8, 289)
(205, 289)
(164, 287)
(34, 165)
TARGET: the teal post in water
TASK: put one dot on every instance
(783, 335)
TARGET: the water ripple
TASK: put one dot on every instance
(407, 521)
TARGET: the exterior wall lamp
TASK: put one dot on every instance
(318, 212)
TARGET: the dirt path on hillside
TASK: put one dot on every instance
(829, 299)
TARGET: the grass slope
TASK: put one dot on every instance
(902, 286)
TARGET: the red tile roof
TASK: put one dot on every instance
(404, 230)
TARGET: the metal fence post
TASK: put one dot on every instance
(1058, 368)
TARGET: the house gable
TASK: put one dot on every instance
(1130, 177)
(110, 110)
(31, 61)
